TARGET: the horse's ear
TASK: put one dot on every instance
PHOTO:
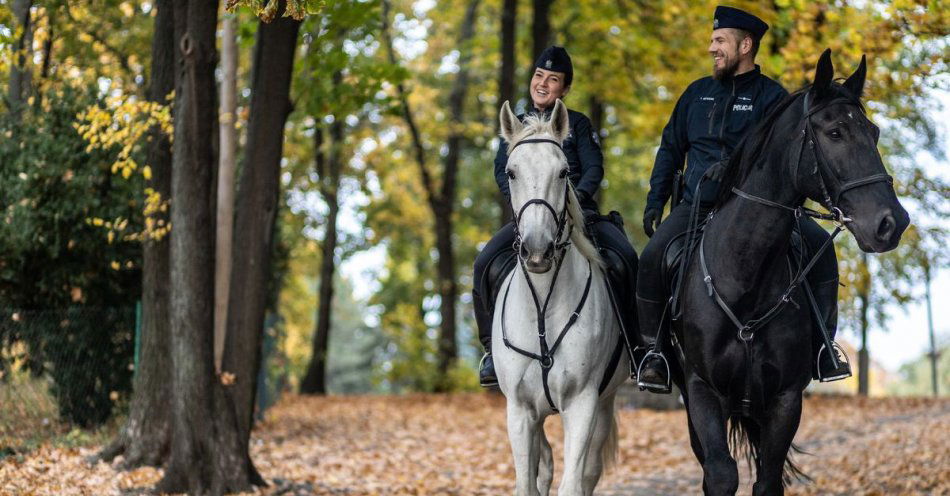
(824, 74)
(855, 82)
(560, 121)
(510, 125)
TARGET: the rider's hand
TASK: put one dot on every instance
(651, 220)
(715, 171)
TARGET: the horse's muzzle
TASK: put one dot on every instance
(538, 261)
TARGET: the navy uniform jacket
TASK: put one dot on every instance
(709, 120)
(584, 158)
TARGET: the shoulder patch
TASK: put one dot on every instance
(594, 136)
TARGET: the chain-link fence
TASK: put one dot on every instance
(63, 368)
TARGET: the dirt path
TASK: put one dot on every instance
(854, 447)
(458, 445)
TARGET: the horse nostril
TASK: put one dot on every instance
(549, 251)
(524, 251)
(886, 228)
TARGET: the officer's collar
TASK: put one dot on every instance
(541, 113)
(743, 78)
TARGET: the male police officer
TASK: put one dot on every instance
(552, 79)
(709, 120)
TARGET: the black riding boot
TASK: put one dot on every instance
(483, 318)
(653, 374)
(826, 368)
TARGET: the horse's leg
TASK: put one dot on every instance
(780, 422)
(708, 414)
(523, 427)
(546, 465)
(603, 438)
(578, 421)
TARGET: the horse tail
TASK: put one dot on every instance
(608, 452)
(744, 439)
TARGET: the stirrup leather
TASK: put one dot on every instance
(667, 387)
(843, 371)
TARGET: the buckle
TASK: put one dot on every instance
(546, 361)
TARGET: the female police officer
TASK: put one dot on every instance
(552, 79)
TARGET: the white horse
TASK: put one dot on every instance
(554, 332)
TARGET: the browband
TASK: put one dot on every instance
(537, 140)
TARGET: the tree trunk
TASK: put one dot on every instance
(540, 28)
(597, 123)
(933, 338)
(506, 81)
(206, 455)
(864, 296)
(256, 213)
(20, 69)
(315, 381)
(145, 437)
(444, 206)
(442, 199)
(226, 166)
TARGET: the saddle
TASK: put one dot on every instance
(676, 249)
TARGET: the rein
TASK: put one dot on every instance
(546, 356)
(746, 331)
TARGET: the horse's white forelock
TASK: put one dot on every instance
(534, 125)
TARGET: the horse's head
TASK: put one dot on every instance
(538, 180)
(839, 164)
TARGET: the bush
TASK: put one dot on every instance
(68, 279)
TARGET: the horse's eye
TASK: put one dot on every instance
(511, 175)
(835, 134)
(563, 174)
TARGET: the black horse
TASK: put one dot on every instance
(744, 340)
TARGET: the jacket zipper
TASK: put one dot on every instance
(722, 126)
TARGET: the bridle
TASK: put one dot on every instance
(825, 176)
(561, 218)
(546, 356)
(823, 171)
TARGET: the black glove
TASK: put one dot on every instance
(651, 220)
(716, 171)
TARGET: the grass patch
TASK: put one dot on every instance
(29, 418)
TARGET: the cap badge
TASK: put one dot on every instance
(547, 64)
(715, 23)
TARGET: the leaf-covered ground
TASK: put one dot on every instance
(457, 445)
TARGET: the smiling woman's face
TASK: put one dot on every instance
(546, 87)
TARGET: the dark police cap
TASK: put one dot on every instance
(555, 58)
(731, 17)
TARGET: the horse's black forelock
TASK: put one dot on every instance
(754, 146)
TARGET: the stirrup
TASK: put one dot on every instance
(638, 353)
(665, 388)
(485, 384)
(844, 364)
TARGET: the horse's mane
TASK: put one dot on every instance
(534, 125)
(753, 148)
